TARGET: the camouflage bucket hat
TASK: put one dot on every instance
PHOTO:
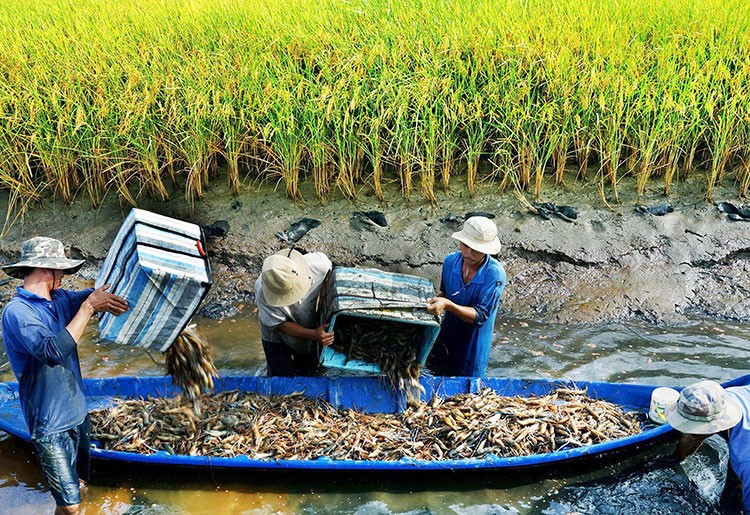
(41, 252)
(703, 408)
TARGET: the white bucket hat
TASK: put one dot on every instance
(479, 233)
(703, 408)
(286, 278)
(41, 252)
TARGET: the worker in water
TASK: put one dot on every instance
(286, 294)
(42, 326)
(705, 408)
(471, 285)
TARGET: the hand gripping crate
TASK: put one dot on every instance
(367, 294)
(159, 264)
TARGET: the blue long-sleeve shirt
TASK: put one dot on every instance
(739, 442)
(461, 348)
(44, 358)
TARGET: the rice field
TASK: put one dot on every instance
(162, 97)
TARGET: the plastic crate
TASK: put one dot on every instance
(160, 266)
(373, 294)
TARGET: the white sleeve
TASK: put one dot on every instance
(319, 263)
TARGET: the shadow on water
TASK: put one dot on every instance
(692, 487)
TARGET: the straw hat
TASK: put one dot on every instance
(286, 278)
(703, 408)
(41, 252)
(479, 233)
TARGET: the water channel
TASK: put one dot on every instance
(627, 352)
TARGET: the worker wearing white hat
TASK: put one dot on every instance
(472, 283)
(286, 294)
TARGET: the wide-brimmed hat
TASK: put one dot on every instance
(479, 233)
(41, 252)
(286, 278)
(703, 408)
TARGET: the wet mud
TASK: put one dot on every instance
(609, 263)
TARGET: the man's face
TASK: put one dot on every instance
(471, 257)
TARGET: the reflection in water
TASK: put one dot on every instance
(618, 352)
(621, 352)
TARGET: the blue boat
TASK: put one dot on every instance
(369, 394)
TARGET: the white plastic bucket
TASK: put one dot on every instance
(661, 398)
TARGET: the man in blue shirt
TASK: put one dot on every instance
(41, 326)
(471, 285)
(704, 409)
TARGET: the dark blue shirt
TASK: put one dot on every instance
(44, 357)
(739, 442)
(463, 349)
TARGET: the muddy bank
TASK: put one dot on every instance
(610, 264)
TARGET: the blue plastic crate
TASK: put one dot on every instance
(160, 266)
(373, 294)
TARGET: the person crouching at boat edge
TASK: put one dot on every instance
(286, 294)
(704, 409)
(471, 286)
(42, 326)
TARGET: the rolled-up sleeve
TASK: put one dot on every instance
(490, 299)
(270, 316)
(76, 298)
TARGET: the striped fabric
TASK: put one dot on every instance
(159, 265)
(371, 293)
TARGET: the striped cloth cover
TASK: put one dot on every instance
(371, 293)
(160, 266)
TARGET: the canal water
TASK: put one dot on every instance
(627, 352)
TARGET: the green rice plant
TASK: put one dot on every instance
(743, 176)
(474, 143)
(17, 177)
(547, 138)
(650, 134)
(427, 157)
(611, 132)
(403, 142)
(316, 142)
(583, 120)
(724, 129)
(145, 98)
(374, 152)
(448, 144)
(346, 142)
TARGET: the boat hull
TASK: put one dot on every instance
(369, 394)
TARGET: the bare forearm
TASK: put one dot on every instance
(318, 334)
(79, 322)
(687, 445)
(438, 305)
(295, 330)
(465, 313)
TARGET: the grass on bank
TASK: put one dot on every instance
(133, 98)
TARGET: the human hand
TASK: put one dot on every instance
(101, 300)
(437, 305)
(323, 336)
